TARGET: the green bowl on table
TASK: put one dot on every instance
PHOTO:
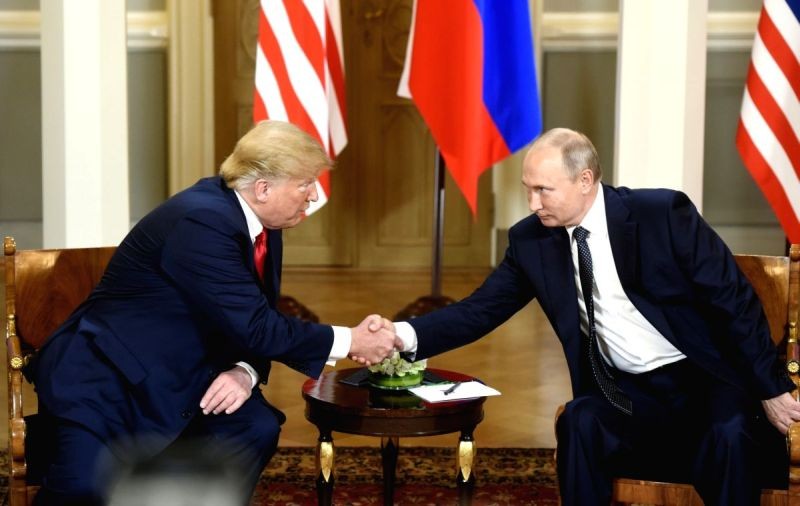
(393, 382)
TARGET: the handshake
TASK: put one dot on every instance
(373, 340)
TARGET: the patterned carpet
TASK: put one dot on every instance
(425, 476)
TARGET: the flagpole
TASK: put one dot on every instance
(438, 225)
(435, 300)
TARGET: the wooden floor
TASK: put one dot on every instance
(522, 358)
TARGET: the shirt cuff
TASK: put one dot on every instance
(408, 335)
(252, 372)
(342, 339)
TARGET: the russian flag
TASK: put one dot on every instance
(470, 71)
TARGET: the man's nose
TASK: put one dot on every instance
(312, 193)
(534, 202)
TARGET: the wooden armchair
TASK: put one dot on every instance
(42, 288)
(776, 280)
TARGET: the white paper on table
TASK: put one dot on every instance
(466, 390)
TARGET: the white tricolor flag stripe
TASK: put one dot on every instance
(299, 73)
(768, 137)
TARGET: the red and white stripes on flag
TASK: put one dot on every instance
(300, 73)
(768, 137)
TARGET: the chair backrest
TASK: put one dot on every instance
(44, 286)
(776, 281)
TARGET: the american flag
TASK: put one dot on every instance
(768, 137)
(300, 73)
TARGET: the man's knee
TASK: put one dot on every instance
(732, 434)
(580, 417)
(264, 433)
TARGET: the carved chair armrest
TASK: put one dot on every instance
(793, 447)
(16, 362)
(16, 422)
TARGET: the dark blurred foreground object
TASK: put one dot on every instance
(182, 475)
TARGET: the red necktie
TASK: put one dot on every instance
(260, 252)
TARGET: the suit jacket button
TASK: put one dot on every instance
(186, 414)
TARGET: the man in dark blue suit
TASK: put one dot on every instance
(171, 344)
(670, 357)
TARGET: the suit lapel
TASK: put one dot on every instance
(622, 234)
(270, 285)
(272, 267)
(558, 275)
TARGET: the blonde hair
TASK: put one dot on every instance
(577, 151)
(274, 150)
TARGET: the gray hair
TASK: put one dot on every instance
(577, 151)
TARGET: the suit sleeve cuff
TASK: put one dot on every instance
(341, 344)
(252, 372)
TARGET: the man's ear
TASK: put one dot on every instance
(587, 179)
(262, 188)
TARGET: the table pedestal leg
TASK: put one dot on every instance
(324, 462)
(465, 478)
(389, 448)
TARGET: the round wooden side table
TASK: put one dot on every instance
(337, 407)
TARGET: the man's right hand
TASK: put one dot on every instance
(782, 411)
(373, 340)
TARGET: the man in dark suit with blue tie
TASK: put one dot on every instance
(670, 357)
(168, 348)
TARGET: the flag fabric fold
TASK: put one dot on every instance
(470, 71)
(299, 74)
(768, 134)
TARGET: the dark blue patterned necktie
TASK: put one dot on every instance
(602, 375)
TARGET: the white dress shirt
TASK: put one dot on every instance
(341, 335)
(626, 339)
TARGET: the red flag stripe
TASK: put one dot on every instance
(295, 111)
(466, 84)
(336, 68)
(774, 117)
(310, 90)
(299, 73)
(768, 137)
(781, 52)
(307, 35)
(460, 124)
(785, 20)
(771, 150)
(772, 188)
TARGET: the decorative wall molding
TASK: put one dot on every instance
(573, 31)
(560, 31)
(731, 30)
(21, 30)
(148, 29)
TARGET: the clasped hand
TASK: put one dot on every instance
(373, 340)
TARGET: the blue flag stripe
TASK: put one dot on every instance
(509, 75)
